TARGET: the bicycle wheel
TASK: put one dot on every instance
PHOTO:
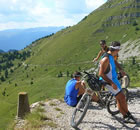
(126, 93)
(80, 110)
(125, 81)
(112, 103)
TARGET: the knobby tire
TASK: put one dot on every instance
(85, 100)
(113, 103)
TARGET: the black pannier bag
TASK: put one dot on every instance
(94, 82)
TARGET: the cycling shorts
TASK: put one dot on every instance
(112, 90)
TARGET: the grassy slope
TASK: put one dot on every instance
(81, 40)
(74, 44)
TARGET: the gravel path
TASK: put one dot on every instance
(96, 117)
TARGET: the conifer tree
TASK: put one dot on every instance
(6, 73)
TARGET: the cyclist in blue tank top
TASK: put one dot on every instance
(108, 72)
(74, 90)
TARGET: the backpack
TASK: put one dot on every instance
(94, 82)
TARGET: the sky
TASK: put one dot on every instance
(15, 14)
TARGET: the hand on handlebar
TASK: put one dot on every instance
(94, 60)
(83, 83)
(122, 72)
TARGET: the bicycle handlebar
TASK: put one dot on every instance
(86, 72)
(90, 75)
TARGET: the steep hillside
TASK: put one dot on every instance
(54, 58)
(116, 20)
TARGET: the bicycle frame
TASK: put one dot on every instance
(106, 99)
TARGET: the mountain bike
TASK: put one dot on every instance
(124, 80)
(106, 99)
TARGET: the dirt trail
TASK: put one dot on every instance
(96, 117)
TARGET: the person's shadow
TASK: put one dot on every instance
(108, 126)
(136, 126)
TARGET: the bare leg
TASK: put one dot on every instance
(122, 104)
(81, 91)
(95, 98)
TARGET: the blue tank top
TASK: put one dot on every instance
(71, 93)
(112, 74)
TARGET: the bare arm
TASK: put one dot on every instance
(119, 67)
(80, 84)
(103, 66)
(98, 56)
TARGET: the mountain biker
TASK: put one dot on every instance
(104, 49)
(102, 52)
(74, 90)
(108, 72)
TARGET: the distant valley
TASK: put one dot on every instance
(17, 39)
(43, 68)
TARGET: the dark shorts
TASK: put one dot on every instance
(78, 99)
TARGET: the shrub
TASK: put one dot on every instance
(2, 78)
(32, 82)
(137, 29)
(135, 23)
(60, 74)
(11, 70)
(68, 73)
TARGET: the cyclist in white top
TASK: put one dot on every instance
(108, 72)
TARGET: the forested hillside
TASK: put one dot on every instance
(50, 61)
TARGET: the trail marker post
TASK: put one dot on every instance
(23, 105)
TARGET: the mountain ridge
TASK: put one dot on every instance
(70, 45)
(19, 38)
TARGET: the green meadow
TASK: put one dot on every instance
(63, 53)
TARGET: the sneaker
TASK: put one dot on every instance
(132, 117)
(129, 119)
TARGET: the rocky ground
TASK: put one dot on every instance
(96, 116)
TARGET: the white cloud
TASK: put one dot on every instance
(93, 4)
(36, 13)
(14, 1)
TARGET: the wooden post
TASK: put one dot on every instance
(23, 105)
